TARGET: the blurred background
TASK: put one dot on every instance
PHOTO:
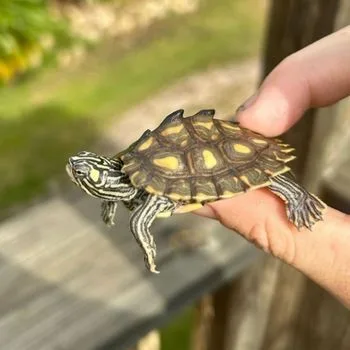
(68, 64)
(93, 75)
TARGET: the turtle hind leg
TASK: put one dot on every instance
(140, 221)
(303, 208)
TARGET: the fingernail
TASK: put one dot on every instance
(248, 102)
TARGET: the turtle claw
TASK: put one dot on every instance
(303, 208)
(306, 213)
(150, 264)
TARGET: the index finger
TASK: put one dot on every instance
(315, 76)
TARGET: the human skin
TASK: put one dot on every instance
(315, 76)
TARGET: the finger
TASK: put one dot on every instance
(315, 76)
(322, 254)
(259, 217)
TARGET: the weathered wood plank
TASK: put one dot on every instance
(245, 307)
(71, 283)
(204, 316)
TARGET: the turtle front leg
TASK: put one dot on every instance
(140, 221)
(108, 210)
(303, 208)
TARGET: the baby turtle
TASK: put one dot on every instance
(185, 163)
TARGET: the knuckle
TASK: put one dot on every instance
(273, 240)
(258, 236)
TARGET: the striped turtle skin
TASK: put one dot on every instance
(184, 163)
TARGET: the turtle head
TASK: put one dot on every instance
(98, 176)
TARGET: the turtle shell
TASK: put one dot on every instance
(198, 159)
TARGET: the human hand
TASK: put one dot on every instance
(315, 76)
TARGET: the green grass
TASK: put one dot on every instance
(48, 117)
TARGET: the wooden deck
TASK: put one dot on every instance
(68, 282)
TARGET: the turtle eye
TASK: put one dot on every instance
(79, 172)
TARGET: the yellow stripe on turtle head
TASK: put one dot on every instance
(94, 175)
(170, 162)
(209, 159)
(239, 148)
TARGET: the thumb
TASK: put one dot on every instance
(315, 76)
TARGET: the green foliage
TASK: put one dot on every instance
(113, 78)
(23, 22)
(35, 147)
(177, 335)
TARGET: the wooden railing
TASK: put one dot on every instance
(69, 282)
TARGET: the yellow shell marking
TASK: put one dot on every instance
(284, 170)
(203, 197)
(188, 207)
(245, 179)
(229, 126)
(209, 159)
(146, 144)
(94, 175)
(207, 125)
(183, 143)
(227, 194)
(285, 159)
(172, 130)
(152, 190)
(171, 163)
(239, 148)
(176, 196)
(132, 177)
(259, 141)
